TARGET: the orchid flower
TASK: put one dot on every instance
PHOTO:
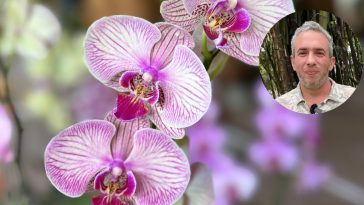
(28, 30)
(6, 154)
(153, 68)
(126, 162)
(233, 182)
(274, 155)
(237, 27)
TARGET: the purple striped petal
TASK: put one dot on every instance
(77, 154)
(119, 43)
(232, 48)
(122, 142)
(186, 89)
(175, 12)
(241, 21)
(264, 14)
(192, 5)
(171, 37)
(176, 133)
(160, 168)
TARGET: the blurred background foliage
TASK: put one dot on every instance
(262, 155)
(275, 65)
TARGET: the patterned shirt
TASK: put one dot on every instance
(293, 100)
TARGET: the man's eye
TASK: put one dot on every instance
(302, 53)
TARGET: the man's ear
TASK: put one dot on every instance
(332, 63)
(293, 62)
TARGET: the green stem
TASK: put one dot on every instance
(205, 51)
(282, 188)
(221, 64)
(7, 100)
(208, 56)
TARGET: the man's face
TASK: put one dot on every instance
(312, 61)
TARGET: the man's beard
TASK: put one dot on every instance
(312, 83)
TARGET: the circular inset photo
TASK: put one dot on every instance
(311, 62)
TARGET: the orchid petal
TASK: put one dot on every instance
(186, 88)
(77, 154)
(264, 14)
(5, 127)
(114, 200)
(174, 11)
(250, 42)
(122, 144)
(192, 5)
(232, 48)
(119, 43)
(6, 153)
(171, 37)
(131, 185)
(210, 33)
(241, 21)
(126, 78)
(160, 168)
(176, 133)
(130, 107)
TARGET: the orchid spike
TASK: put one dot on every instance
(153, 68)
(237, 27)
(125, 161)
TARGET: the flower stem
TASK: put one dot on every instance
(205, 52)
(8, 101)
(282, 188)
(208, 56)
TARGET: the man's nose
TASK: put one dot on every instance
(311, 60)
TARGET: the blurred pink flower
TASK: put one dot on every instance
(6, 154)
(233, 182)
(312, 176)
(274, 155)
(86, 106)
(277, 121)
(206, 138)
(274, 120)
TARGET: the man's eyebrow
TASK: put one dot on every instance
(320, 49)
(315, 49)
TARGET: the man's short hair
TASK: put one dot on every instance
(312, 26)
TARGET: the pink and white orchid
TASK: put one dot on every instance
(153, 68)
(127, 162)
(237, 27)
(6, 154)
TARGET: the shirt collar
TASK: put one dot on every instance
(333, 94)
